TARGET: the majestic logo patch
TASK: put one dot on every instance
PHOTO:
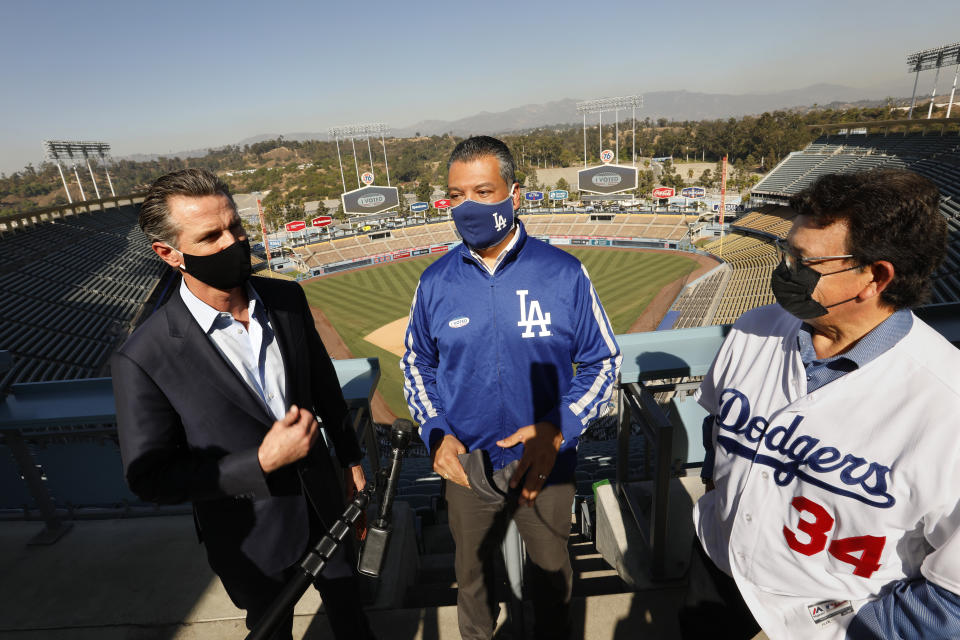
(844, 474)
(532, 316)
(824, 612)
(456, 323)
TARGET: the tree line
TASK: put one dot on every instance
(294, 172)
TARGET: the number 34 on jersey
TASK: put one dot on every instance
(814, 526)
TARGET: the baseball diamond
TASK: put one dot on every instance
(359, 303)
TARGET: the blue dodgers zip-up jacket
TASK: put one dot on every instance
(489, 354)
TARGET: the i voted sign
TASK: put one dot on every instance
(559, 194)
(533, 196)
(419, 206)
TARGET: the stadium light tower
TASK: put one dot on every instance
(933, 59)
(354, 131)
(610, 104)
(70, 151)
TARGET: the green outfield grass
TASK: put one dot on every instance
(358, 302)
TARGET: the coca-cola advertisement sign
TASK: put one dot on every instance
(664, 192)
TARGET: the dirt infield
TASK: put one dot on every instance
(660, 304)
(338, 349)
(390, 336)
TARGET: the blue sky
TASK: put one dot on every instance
(164, 76)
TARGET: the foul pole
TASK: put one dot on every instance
(263, 231)
(723, 201)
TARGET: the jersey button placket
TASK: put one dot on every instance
(753, 496)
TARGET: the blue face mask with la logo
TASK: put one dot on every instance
(483, 225)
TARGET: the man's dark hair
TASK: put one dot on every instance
(892, 215)
(480, 146)
(155, 220)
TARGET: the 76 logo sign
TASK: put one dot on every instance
(870, 547)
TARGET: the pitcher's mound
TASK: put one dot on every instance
(389, 337)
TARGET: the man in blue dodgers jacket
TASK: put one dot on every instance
(836, 505)
(496, 326)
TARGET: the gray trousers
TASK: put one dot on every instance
(478, 529)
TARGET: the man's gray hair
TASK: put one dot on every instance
(480, 146)
(155, 220)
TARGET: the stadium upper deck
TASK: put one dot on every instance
(744, 282)
(72, 288)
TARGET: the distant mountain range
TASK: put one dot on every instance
(674, 105)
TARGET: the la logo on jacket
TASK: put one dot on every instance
(532, 316)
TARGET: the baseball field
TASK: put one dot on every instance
(368, 308)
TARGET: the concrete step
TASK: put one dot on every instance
(436, 583)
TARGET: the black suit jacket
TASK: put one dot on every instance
(190, 427)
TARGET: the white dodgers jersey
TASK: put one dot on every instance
(824, 498)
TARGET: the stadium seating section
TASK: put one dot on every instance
(933, 155)
(71, 288)
(723, 294)
(650, 226)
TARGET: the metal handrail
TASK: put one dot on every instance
(638, 405)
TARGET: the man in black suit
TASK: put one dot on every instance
(216, 396)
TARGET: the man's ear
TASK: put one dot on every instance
(882, 272)
(168, 255)
(516, 195)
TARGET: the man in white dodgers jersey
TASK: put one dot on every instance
(833, 465)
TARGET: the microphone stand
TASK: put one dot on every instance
(374, 549)
(378, 534)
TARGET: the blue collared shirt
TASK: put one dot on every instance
(880, 339)
(253, 353)
(501, 256)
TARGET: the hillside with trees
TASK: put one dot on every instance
(295, 172)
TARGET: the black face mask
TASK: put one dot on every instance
(794, 291)
(224, 270)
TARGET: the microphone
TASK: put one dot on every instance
(374, 550)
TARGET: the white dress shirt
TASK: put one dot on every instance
(254, 354)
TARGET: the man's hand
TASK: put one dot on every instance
(446, 462)
(541, 441)
(288, 440)
(355, 480)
